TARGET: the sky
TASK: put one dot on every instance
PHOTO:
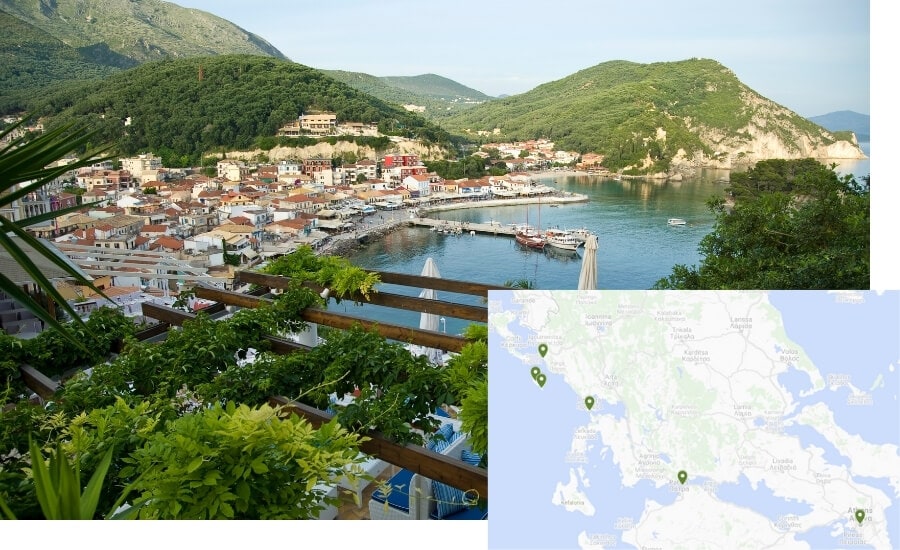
(811, 56)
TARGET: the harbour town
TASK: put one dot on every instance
(237, 286)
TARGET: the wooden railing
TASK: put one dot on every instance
(412, 457)
(441, 468)
(433, 465)
(438, 467)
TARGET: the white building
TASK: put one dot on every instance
(232, 170)
(143, 168)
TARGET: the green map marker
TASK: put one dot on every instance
(682, 476)
(535, 371)
(542, 349)
(589, 402)
(541, 379)
(860, 516)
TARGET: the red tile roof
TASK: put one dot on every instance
(170, 243)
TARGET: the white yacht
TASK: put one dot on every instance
(562, 239)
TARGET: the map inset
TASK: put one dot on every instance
(681, 419)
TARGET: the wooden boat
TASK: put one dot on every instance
(530, 238)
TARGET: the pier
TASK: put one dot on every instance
(465, 228)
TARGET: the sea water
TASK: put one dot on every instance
(636, 245)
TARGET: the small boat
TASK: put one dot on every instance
(554, 206)
(676, 221)
(562, 239)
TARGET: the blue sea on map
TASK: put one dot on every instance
(855, 339)
(821, 537)
(523, 403)
(809, 436)
(761, 500)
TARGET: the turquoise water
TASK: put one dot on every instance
(637, 247)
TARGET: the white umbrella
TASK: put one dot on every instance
(430, 321)
(587, 280)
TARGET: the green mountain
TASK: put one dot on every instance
(46, 43)
(31, 59)
(431, 95)
(187, 107)
(143, 30)
(647, 118)
(845, 121)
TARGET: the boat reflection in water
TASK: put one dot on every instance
(562, 254)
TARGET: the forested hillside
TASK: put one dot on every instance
(197, 105)
(794, 224)
(31, 60)
(640, 115)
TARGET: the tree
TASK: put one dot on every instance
(794, 225)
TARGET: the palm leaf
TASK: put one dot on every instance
(39, 218)
(25, 262)
(58, 487)
(5, 509)
(91, 495)
(43, 484)
(27, 162)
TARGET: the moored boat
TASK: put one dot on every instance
(531, 239)
(676, 221)
(562, 239)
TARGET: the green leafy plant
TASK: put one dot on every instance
(467, 376)
(338, 274)
(119, 429)
(242, 463)
(474, 416)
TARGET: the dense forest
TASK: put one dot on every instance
(794, 224)
(31, 60)
(186, 107)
